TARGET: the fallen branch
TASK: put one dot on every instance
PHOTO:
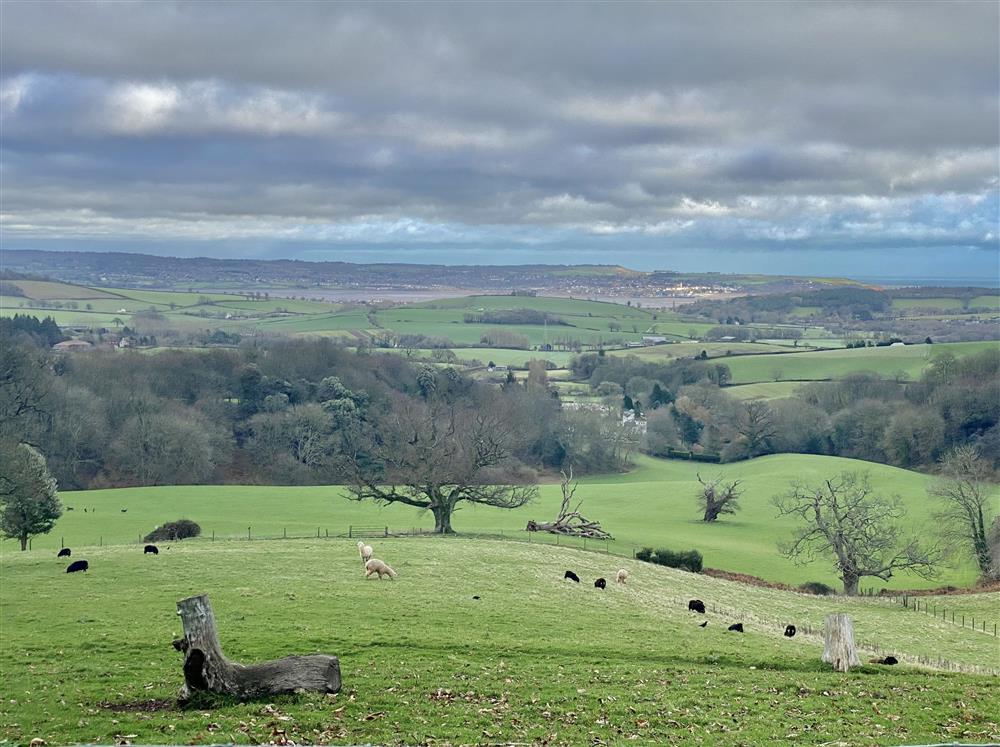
(570, 523)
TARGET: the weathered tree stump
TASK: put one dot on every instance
(838, 647)
(207, 669)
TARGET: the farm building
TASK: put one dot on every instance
(67, 346)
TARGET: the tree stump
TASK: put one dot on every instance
(207, 669)
(838, 647)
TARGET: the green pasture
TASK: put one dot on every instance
(475, 642)
(652, 505)
(831, 364)
(48, 290)
(550, 304)
(766, 390)
(927, 303)
(691, 349)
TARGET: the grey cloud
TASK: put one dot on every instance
(663, 119)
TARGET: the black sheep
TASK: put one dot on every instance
(736, 627)
(789, 631)
(64, 553)
(77, 565)
(696, 605)
(600, 584)
(150, 550)
(571, 576)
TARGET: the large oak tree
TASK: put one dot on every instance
(434, 454)
(844, 519)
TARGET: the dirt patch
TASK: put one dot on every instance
(745, 578)
(140, 706)
(942, 591)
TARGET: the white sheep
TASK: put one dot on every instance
(622, 576)
(377, 566)
(365, 551)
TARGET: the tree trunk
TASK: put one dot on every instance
(850, 584)
(442, 519)
(24, 542)
(838, 644)
(207, 669)
(711, 513)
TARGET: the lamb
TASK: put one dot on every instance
(64, 553)
(375, 565)
(365, 551)
(150, 550)
(600, 584)
(696, 605)
(622, 576)
(736, 627)
(789, 631)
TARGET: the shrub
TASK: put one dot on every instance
(688, 560)
(174, 530)
(817, 587)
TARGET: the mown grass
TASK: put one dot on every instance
(652, 505)
(535, 660)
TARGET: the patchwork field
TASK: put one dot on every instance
(475, 642)
(653, 505)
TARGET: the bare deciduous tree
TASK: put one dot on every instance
(965, 492)
(435, 455)
(717, 497)
(845, 518)
(756, 426)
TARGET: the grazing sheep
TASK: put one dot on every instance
(890, 660)
(77, 565)
(475, 596)
(600, 584)
(622, 576)
(64, 553)
(571, 576)
(375, 565)
(365, 551)
(696, 605)
(736, 627)
(789, 631)
(150, 550)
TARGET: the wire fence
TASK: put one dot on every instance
(609, 547)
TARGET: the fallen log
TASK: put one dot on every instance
(207, 669)
(570, 523)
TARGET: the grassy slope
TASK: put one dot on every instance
(653, 505)
(766, 390)
(535, 659)
(826, 364)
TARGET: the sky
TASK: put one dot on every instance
(808, 138)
